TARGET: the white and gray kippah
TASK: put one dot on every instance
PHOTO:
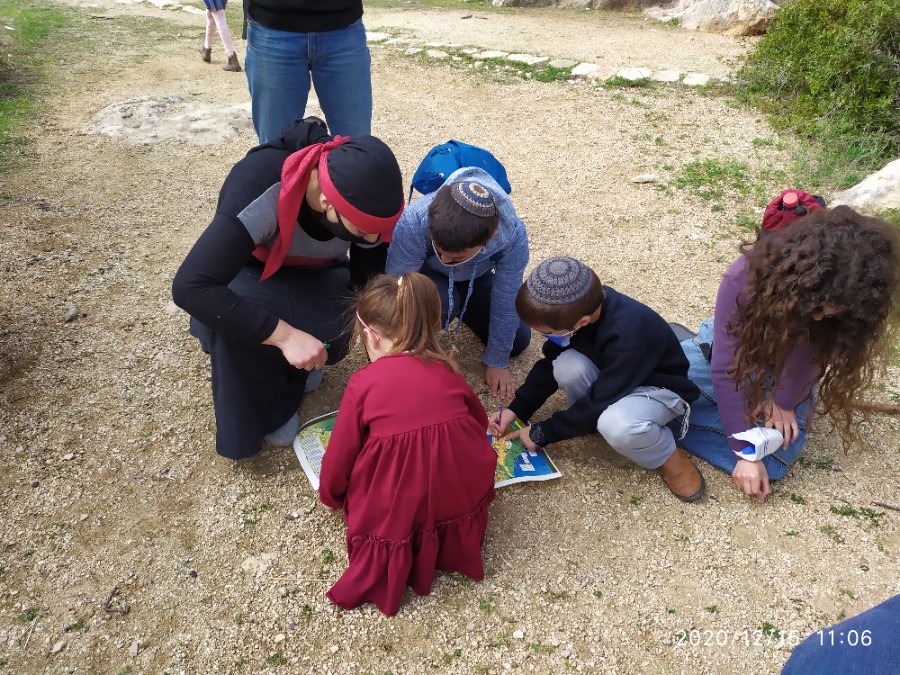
(559, 281)
(474, 198)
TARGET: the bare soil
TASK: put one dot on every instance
(129, 546)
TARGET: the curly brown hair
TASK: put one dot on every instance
(832, 280)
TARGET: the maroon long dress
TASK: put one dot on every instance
(410, 463)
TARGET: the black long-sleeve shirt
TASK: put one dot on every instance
(631, 345)
(247, 216)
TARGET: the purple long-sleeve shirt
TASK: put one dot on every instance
(792, 385)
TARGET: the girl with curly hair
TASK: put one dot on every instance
(802, 317)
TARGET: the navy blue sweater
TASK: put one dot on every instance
(631, 345)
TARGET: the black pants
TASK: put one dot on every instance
(255, 390)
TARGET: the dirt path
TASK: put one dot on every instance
(109, 476)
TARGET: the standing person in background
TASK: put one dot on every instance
(289, 43)
(215, 19)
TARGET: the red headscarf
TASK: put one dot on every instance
(295, 174)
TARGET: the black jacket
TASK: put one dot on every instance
(631, 345)
(200, 286)
(304, 16)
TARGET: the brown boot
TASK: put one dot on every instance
(233, 65)
(205, 54)
(682, 477)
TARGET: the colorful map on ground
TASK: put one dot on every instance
(515, 464)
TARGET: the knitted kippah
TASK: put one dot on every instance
(474, 198)
(559, 281)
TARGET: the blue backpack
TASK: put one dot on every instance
(444, 159)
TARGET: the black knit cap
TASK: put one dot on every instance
(559, 281)
(366, 173)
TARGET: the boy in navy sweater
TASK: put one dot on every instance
(618, 362)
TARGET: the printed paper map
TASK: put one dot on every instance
(515, 464)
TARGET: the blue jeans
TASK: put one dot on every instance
(706, 436)
(867, 644)
(279, 65)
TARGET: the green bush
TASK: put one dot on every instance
(830, 69)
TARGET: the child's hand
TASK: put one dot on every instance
(781, 419)
(499, 382)
(524, 435)
(752, 478)
(498, 423)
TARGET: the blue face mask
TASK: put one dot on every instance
(561, 340)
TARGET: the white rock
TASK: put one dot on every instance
(519, 634)
(566, 653)
(413, 50)
(135, 648)
(527, 59)
(644, 178)
(58, 647)
(258, 565)
(585, 69)
(733, 17)
(376, 37)
(69, 456)
(492, 55)
(562, 63)
(469, 50)
(666, 76)
(334, 649)
(696, 79)
(279, 638)
(71, 314)
(634, 74)
(878, 192)
(437, 54)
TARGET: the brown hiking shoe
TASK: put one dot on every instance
(682, 477)
(205, 54)
(234, 65)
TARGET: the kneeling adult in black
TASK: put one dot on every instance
(298, 223)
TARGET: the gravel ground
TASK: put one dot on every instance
(129, 546)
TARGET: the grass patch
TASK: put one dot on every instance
(769, 630)
(797, 499)
(618, 81)
(871, 515)
(276, 660)
(33, 25)
(712, 179)
(831, 532)
(28, 615)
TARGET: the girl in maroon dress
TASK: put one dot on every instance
(409, 460)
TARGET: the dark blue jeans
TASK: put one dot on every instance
(706, 436)
(280, 65)
(867, 644)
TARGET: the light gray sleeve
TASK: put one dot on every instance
(260, 216)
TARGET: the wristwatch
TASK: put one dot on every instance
(536, 434)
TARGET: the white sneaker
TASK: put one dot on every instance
(314, 380)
